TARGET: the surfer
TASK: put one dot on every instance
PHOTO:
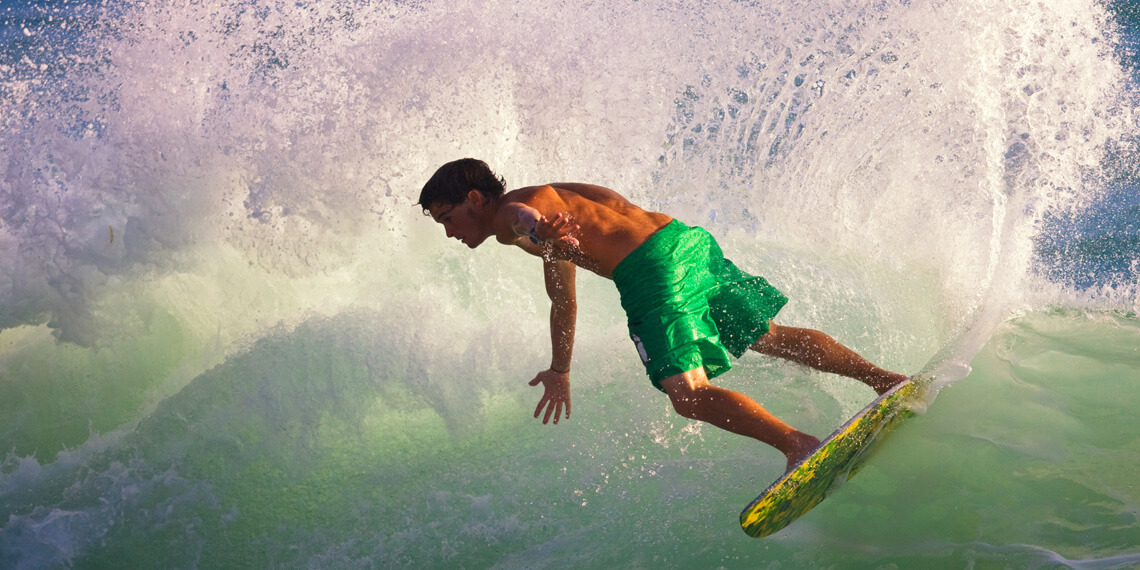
(688, 307)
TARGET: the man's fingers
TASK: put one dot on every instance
(561, 224)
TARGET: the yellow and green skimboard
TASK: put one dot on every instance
(835, 461)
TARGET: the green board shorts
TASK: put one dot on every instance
(689, 307)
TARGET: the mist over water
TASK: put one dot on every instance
(230, 339)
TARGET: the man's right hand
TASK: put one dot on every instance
(559, 229)
(556, 395)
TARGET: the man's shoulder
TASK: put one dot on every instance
(574, 198)
(526, 193)
(567, 193)
(544, 197)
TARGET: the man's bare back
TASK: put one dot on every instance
(609, 227)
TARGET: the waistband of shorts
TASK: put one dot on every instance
(633, 262)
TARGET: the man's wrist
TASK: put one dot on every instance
(531, 231)
(567, 371)
(533, 235)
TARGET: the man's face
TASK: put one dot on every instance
(460, 222)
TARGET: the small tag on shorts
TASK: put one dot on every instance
(640, 348)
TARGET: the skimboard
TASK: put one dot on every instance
(835, 461)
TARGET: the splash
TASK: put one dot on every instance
(285, 136)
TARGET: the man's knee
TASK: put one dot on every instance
(789, 342)
(686, 406)
(772, 342)
(684, 392)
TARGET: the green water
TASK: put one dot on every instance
(305, 451)
(1027, 462)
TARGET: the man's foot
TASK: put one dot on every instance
(804, 445)
(886, 381)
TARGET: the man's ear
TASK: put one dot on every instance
(476, 197)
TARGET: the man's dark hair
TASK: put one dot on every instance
(451, 183)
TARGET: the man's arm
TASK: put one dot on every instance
(563, 311)
(563, 317)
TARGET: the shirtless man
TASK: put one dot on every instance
(688, 307)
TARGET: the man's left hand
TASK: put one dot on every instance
(557, 394)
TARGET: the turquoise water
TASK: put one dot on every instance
(230, 340)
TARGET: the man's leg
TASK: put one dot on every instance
(817, 350)
(695, 398)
